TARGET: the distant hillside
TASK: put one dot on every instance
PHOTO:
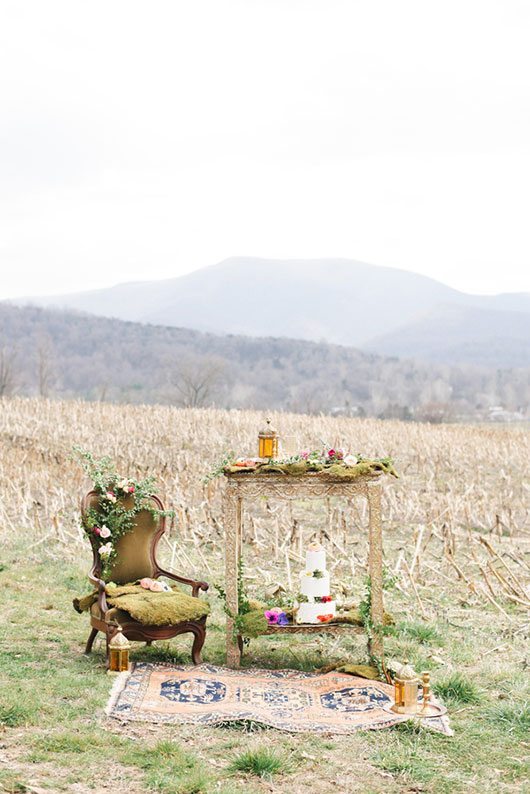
(50, 352)
(336, 300)
(459, 335)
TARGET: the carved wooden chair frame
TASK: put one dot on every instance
(132, 629)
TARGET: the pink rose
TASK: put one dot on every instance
(131, 488)
(105, 532)
(96, 530)
(111, 496)
(146, 583)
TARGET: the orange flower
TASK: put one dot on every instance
(325, 618)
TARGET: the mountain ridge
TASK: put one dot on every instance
(340, 301)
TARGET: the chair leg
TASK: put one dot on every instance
(107, 654)
(198, 641)
(90, 642)
(149, 642)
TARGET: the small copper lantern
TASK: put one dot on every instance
(268, 442)
(119, 648)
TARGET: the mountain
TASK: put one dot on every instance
(68, 354)
(460, 335)
(336, 300)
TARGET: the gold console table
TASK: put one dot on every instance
(250, 485)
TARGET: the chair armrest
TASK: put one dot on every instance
(193, 583)
(102, 596)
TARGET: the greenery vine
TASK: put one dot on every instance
(365, 610)
(120, 501)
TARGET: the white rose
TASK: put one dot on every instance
(105, 532)
(350, 460)
(105, 550)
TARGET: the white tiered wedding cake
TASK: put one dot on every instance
(314, 605)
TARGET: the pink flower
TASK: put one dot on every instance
(146, 583)
(304, 454)
(272, 615)
(105, 532)
(105, 550)
(111, 496)
(96, 530)
(131, 488)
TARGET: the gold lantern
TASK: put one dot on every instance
(406, 690)
(119, 648)
(268, 442)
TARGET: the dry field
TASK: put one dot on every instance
(457, 533)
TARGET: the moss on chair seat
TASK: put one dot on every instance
(147, 607)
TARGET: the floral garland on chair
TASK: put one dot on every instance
(113, 517)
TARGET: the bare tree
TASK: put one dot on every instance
(196, 379)
(45, 366)
(8, 379)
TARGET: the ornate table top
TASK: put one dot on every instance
(310, 484)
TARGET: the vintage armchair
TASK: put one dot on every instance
(136, 559)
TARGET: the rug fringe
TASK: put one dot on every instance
(116, 690)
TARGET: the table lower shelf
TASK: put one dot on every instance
(316, 628)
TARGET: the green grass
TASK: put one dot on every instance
(457, 689)
(512, 717)
(424, 633)
(54, 734)
(262, 762)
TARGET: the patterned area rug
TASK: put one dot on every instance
(284, 699)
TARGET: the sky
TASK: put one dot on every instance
(143, 140)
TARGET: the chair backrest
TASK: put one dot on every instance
(135, 550)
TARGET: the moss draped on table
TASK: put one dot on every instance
(147, 607)
(300, 467)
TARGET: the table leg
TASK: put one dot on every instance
(232, 519)
(375, 564)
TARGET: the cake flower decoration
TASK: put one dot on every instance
(276, 617)
(272, 615)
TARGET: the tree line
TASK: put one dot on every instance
(66, 354)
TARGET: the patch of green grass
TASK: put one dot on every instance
(424, 633)
(11, 783)
(68, 742)
(407, 761)
(15, 714)
(261, 762)
(512, 717)
(168, 768)
(456, 689)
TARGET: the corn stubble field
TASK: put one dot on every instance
(457, 537)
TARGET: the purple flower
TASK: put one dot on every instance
(282, 620)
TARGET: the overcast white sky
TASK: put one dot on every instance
(143, 140)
